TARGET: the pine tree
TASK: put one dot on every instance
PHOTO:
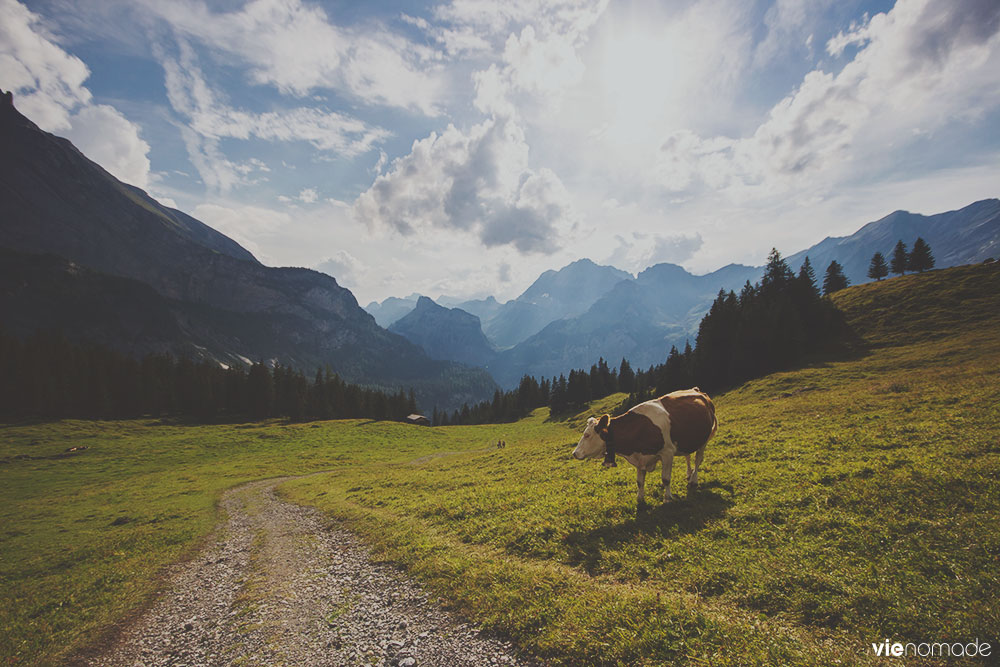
(626, 376)
(878, 269)
(807, 276)
(920, 259)
(260, 391)
(777, 275)
(900, 259)
(835, 278)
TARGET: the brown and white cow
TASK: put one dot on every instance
(681, 422)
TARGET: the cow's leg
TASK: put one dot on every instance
(687, 457)
(640, 482)
(668, 468)
(699, 456)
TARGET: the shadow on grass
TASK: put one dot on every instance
(685, 515)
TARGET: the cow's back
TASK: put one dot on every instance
(692, 419)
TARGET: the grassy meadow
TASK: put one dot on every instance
(840, 504)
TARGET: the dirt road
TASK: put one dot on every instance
(277, 585)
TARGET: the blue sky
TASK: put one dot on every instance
(462, 147)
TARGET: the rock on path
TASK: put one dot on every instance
(277, 585)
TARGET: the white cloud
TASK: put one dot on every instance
(308, 196)
(477, 181)
(107, 137)
(345, 267)
(920, 67)
(296, 48)
(787, 22)
(636, 249)
(532, 65)
(191, 96)
(48, 87)
(498, 18)
(249, 226)
(209, 120)
(48, 81)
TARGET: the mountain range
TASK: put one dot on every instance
(569, 318)
(446, 333)
(966, 236)
(103, 261)
(82, 249)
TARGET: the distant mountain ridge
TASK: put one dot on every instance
(966, 236)
(391, 309)
(445, 333)
(552, 296)
(640, 318)
(54, 201)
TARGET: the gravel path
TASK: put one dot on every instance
(278, 585)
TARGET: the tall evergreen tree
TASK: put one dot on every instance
(807, 276)
(920, 259)
(777, 275)
(900, 259)
(835, 278)
(626, 376)
(260, 391)
(878, 269)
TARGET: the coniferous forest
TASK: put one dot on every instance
(45, 376)
(774, 325)
(769, 326)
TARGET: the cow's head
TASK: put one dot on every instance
(592, 443)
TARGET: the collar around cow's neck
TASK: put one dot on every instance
(609, 452)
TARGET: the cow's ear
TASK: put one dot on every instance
(603, 423)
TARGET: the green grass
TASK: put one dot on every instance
(83, 535)
(841, 504)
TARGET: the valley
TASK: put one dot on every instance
(826, 516)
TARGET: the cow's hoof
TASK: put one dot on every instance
(668, 498)
(612, 464)
(692, 487)
(641, 506)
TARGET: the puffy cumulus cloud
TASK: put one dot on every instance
(540, 66)
(529, 222)
(499, 18)
(919, 67)
(295, 47)
(349, 271)
(49, 88)
(636, 251)
(475, 182)
(308, 196)
(48, 81)
(107, 137)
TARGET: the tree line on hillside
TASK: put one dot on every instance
(769, 326)
(46, 376)
(919, 259)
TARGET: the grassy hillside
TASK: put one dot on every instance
(840, 505)
(84, 533)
